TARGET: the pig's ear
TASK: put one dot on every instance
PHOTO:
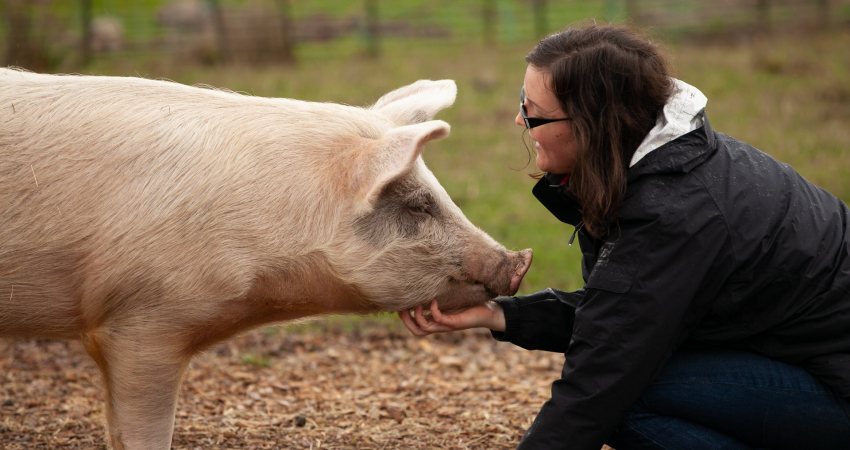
(417, 102)
(395, 155)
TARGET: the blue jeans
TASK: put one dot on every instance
(734, 400)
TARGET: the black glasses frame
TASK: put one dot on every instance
(532, 122)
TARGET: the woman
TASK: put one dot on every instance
(716, 306)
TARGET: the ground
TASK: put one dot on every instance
(327, 385)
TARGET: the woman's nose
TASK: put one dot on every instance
(518, 120)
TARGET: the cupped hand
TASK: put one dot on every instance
(422, 323)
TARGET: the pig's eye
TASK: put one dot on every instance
(422, 205)
(420, 209)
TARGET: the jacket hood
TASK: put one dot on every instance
(682, 114)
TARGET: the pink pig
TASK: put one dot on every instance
(152, 219)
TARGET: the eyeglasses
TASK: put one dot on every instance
(531, 122)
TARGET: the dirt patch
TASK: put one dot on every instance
(370, 385)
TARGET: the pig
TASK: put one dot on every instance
(151, 219)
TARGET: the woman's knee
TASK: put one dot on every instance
(733, 399)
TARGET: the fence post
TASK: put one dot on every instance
(763, 14)
(632, 12)
(490, 17)
(86, 41)
(540, 25)
(823, 13)
(220, 30)
(20, 50)
(288, 51)
(373, 29)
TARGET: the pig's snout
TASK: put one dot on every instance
(505, 276)
(496, 277)
(524, 262)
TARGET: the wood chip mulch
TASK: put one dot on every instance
(326, 385)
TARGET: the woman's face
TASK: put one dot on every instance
(554, 142)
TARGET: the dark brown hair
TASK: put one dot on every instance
(613, 83)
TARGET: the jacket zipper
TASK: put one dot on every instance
(575, 232)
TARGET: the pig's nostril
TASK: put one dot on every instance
(525, 263)
(521, 269)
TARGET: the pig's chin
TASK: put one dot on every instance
(461, 295)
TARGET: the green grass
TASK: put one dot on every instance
(513, 19)
(788, 95)
(254, 360)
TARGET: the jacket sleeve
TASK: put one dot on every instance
(647, 288)
(539, 321)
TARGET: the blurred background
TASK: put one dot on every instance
(776, 72)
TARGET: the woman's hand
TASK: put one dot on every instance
(422, 323)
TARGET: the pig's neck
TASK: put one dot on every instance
(305, 289)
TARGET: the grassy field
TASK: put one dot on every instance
(787, 94)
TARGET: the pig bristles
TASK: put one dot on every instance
(33, 175)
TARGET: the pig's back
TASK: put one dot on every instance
(109, 182)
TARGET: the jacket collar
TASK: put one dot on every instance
(555, 197)
(682, 114)
(680, 155)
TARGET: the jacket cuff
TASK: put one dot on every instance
(510, 307)
(539, 321)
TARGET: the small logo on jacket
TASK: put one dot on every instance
(605, 252)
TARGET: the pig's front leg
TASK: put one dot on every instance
(142, 379)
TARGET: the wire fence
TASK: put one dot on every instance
(50, 34)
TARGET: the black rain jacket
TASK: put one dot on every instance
(716, 245)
